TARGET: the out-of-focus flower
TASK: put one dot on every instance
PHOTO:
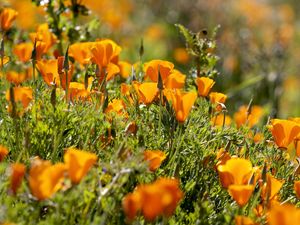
(17, 174)
(158, 198)
(243, 220)
(182, 102)
(125, 69)
(220, 119)
(250, 118)
(78, 163)
(23, 51)
(3, 152)
(22, 95)
(5, 60)
(155, 158)
(285, 214)
(45, 179)
(217, 97)
(297, 188)
(7, 16)
(181, 55)
(16, 78)
(204, 85)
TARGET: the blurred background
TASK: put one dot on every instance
(258, 41)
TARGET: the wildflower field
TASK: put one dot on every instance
(149, 112)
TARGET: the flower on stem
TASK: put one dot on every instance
(22, 95)
(204, 85)
(23, 51)
(81, 52)
(242, 116)
(78, 163)
(182, 102)
(7, 16)
(241, 193)
(156, 199)
(146, 91)
(45, 179)
(49, 71)
(3, 152)
(15, 77)
(17, 174)
(155, 158)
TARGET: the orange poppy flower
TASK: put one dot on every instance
(146, 91)
(22, 95)
(204, 85)
(17, 175)
(125, 69)
(243, 220)
(7, 16)
(271, 188)
(222, 156)
(45, 178)
(218, 120)
(105, 53)
(216, 97)
(78, 163)
(77, 91)
(151, 69)
(44, 38)
(241, 193)
(81, 52)
(241, 117)
(117, 106)
(23, 51)
(16, 78)
(158, 198)
(182, 102)
(3, 152)
(5, 60)
(297, 188)
(235, 171)
(49, 71)
(285, 214)
(155, 158)
(175, 80)
(284, 132)
(61, 72)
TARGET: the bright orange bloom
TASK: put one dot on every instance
(7, 16)
(297, 188)
(23, 51)
(204, 85)
(45, 39)
(158, 198)
(241, 117)
(5, 60)
(222, 157)
(117, 106)
(22, 95)
(3, 152)
(155, 158)
(235, 171)
(284, 132)
(17, 175)
(16, 78)
(182, 102)
(285, 214)
(271, 188)
(216, 97)
(45, 178)
(81, 52)
(218, 120)
(77, 91)
(62, 74)
(171, 78)
(243, 220)
(105, 53)
(49, 71)
(146, 91)
(78, 163)
(241, 193)
(181, 55)
(125, 69)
